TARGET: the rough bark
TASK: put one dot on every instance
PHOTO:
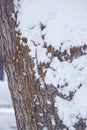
(29, 101)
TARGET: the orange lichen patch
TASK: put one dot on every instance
(18, 33)
(20, 48)
(50, 49)
(43, 74)
(73, 51)
(24, 39)
(33, 76)
(23, 63)
(21, 73)
(17, 41)
(45, 65)
(32, 64)
(26, 59)
(19, 44)
(46, 86)
(26, 48)
(40, 70)
(18, 63)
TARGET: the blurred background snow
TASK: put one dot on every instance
(7, 117)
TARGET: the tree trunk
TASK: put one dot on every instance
(29, 100)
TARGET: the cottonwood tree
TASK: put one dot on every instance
(30, 100)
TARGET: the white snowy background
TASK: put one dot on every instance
(66, 22)
(7, 118)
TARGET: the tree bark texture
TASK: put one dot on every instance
(29, 100)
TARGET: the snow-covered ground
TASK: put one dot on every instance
(5, 99)
(7, 118)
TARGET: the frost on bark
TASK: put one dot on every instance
(29, 100)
